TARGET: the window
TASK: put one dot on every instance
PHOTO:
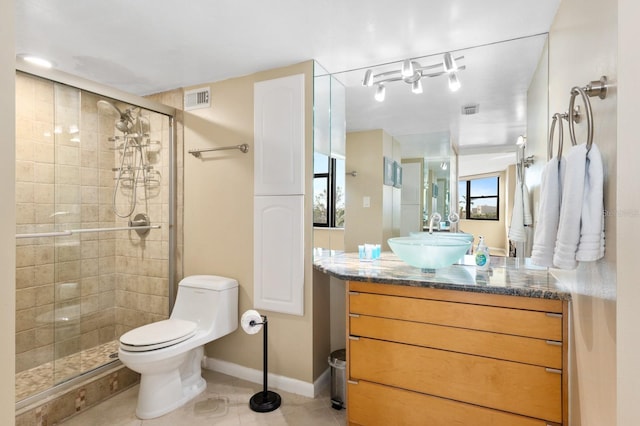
(479, 198)
(328, 191)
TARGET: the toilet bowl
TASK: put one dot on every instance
(168, 353)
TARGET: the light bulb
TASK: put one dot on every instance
(407, 68)
(454, 83)
(449, 63)
(368, 78)
(380, 92)
(416, 87)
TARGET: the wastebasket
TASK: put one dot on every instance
(338, 363)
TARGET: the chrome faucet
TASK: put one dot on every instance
(437, 218)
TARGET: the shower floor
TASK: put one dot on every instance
(45, 376)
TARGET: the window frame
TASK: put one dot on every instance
(469, 199)
(330, 175)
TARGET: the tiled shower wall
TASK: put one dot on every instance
(142, 264)
(100, 284)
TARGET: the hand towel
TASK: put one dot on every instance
(516, 227)
(591, 244)
(574, 191)
(546, 230)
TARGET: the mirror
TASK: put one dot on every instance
(435, 136)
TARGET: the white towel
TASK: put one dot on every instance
(581, 191)
(521, 214)
(546, 231)
(526, 209)
(591, 245)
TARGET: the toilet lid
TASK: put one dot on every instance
(158, 335)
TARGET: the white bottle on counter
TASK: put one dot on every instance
(483, 259)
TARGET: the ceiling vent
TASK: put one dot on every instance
(470, 109)
(197, 98)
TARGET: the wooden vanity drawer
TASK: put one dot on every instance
(372, 404)
(519, 322)
(503, 385)
(502, 346)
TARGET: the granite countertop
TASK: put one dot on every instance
(505, 276)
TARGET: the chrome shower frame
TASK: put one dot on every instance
(138, 101)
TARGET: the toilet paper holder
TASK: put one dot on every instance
(266, 400)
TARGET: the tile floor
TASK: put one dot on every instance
(224, 402)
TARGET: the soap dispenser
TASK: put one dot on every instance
(483, 259)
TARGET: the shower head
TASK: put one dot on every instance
(107, 106)
(125, 123)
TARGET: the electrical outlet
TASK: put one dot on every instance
(366, 201)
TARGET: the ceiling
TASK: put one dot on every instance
(149, 46)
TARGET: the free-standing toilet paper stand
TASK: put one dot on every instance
(265, 401)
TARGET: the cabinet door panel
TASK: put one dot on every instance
(477, 317)
(493, 345)
(518, 388)
(373, 404)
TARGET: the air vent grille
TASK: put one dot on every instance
(470, 109)
(197, 98)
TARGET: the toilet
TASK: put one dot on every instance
(168, 353)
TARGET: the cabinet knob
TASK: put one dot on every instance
(553, 315)
(353, 382)
(553, 370)
(554, 343)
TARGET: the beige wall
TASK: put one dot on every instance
(7, 213)
(628, 206)
(218, 226)
(328, 238)
(582, 47)
(381, 220)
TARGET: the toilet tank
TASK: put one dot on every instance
(210, 301)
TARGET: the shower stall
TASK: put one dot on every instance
(94, 231)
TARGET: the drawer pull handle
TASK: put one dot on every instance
(354, 338)
(354, 315)
(553, 315)
(353, 382)
(354, 293)
(553, 370)
(554, 343)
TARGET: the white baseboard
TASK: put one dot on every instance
(287, 384)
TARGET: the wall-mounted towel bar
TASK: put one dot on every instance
(197, 152)
(68, 232)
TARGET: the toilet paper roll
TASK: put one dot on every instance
(247, 318)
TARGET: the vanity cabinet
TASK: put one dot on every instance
(423, 356)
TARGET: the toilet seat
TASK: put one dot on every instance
(158, 335)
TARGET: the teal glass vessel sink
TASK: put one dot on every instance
(431, 251)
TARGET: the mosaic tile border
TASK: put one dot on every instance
(78, 399)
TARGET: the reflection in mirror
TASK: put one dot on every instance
(471, 132)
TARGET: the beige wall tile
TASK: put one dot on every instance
(67, 194)
(25, 256)
(43, 152)
(24, 192)
(25, 298)
(44, 193)
(24, 171)
(44, 173)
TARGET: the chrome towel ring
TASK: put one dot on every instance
(587, 106)
(557, 118)
(594, 88)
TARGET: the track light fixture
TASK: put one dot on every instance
(380, 92)
(411, 72)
